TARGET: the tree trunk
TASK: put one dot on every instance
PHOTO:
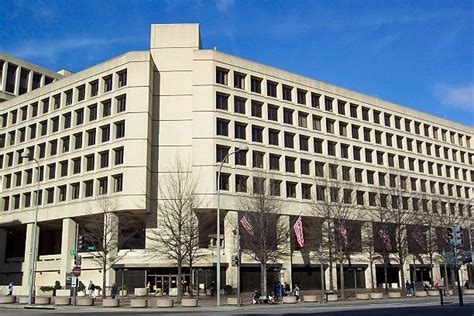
(371, 273)
(341, 279)
(385, 274)
(263, 279)
(402, 277)
(178, 282)
(431, 267)
(104, 276)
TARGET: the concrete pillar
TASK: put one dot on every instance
(111, 229)
(287, 261)
(230, 247)
(17, 80)
(3, 83)
(3, 244)
(437, 272)
(368, 280)
(43, 80)
(30, 81)
(68, 243)
(27, 263)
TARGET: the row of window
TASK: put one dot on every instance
(358, 133)
(333, 194)
(344, 173)
(66, 144)
(75, 191)
(9, 77)
(65, 168)
(316, 100)
(65, 98)
(62, 122)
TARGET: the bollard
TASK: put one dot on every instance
(441, 297)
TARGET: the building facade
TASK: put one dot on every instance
(113, 130)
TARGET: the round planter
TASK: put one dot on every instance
(85, 301)
(7, 299)
(332, 298)
(421, 294)
(433, 293)
(289, 300)
(394, 294)
(110, 302)
(42, 300)
(138, 303)
(62, 301)
(311, 298)
(363, 296)
(376, 296)
(233, 301)
(140, 292)
(164, 302)
(123, 293)
(189, 302)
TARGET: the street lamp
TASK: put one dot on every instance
(243, 148)
(27, 155)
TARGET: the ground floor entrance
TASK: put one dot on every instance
(392, 276)
(422, 275)
(307, 277)
(354, 276)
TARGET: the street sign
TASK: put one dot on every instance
(74, 282)
(76, 271)
(73, 253)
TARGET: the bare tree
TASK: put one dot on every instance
(105, 234)
(177, 233)
(264, 233)
(335, 204)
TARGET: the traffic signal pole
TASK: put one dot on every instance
(74, 289)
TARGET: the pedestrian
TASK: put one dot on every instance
(10, 288)
(296, 291)
(256, 296)
(91, 288)
(407, 287)
(113, 291)
(412, 287)
(148, 288)
(278, 291)
(466, 285)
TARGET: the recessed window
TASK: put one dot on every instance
(105, 133)
(106, 108)
(121, 103)
(272, 89)
(287, 93)
(241, 183)
(257, 159)
(104, 159)
(240, 130)
(289, 140)
(315, 100)
(272, 113)
(81, 93)
(92, 112)
(103, 186)
(118, 153)
(301, 96)
(274, 162)
(239, 80)
(119, 129)
(256, 84)
(290, 189)
(221, 75)
(328, 103)
(257, 134)
(118, 182)
(94, 87)
(257, 108)
(240, 157)
(221, 153)
(88, 188)
(290, 164)
(287, 116)
(239, 105)
(222, 127)
(91, 135)
(222, 101)
(273, 138)
(122, 78)
(107, 83)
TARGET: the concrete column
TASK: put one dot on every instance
(27, 263)
(368, 280)
(30, 81)
(3, 244)
(437, 272)
(287, 261)
(111, 229)
(230, 247)
(43, 80)
(68, 243)
(17, 80)
(3, 83)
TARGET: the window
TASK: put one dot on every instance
(302, 119)
(107, 83)
(290, 189)
(240, 158)
(360, 197)
(257, 159)
(320, 196)
(241, 183)
(76, 165)
(122, 78)
(397, 122)
(106, 108)
(365, 114)
(258, 185)
(222, 127)
(319, 169)
(221, 75)
(239, 105)
(62, 193)
(53, 146)
(304, 166)
(90, 162)
(119, 129)
(287, 116)
(331, 148)
(94, 86)
(341, 107)
(91, 137)
(345, 151)
(318, 146)
(34, 109)
(221, 153)
(274, 162)
(257, 134)
(317, 122)
(81, 93)
(118, 153)
(50, 195)
(301, 96)
(328, 104)
(272, 113)
(64, 168)
(356, 152)
(272, 88)
(287, 93)
(387, 119)
(255, 84)
(67, 120)
(407, 125)
(77, 140)
(75, 191)
(304, 143)
(79, 116)
(381, 179)
(275, 187)
(273, 136)
(290, 164)
(355, 131)
(370, 177)
(43, 128)
(368, 155)
(389, 139)
(289, 140)
(240, 130)
(104, 159)
(105, 133)
(342, 129)
(222, 101)
(121, 103)
(315, 100)
(257, 108)
(366, 134)
(391, 158)
(353, 108)
(330, 126)
(239, 80)
(332, 171)
(89, 188)
(358, 175)
(306, 191)
(103, 186)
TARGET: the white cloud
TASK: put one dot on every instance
(461, 97)
(224, 5)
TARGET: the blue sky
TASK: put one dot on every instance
(416, 53)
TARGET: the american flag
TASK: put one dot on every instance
(343, 232)
(246, 224)
(298, 227)
(386, 238)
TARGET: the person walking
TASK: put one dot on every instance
(113, 291)
(296, 291)
(10, 288)
(91, 288)
(407, 287)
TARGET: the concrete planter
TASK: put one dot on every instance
(63, 293)
(421, 294)
(23, 300)
(164, 302)
(141, 292)
(363, 296)
(42, 300)
(62, 301)
(376, 296)
(394, 294)
(110, 302)
(123, 293)
(311, 298)
(289, 300)
(469, 292)
(81, 294)
(85, 301)
(138, 303)
(332, 298)
(7, 299)
(433, 293)
(189, 302)
(233, 301)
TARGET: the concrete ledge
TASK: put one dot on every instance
(62, 301)
(189, 302)
(376, 296)
(433, 293)
(449, 292)
(63, 293)
(421, 294)
(138, 303)
(311, 298)
(233, 301)
(468, 291)
(332, 298)
(7, 299)
(141, 292)
(85, 301)
(42, 300)
(23, 300)
(164, 302)
(394, 294)
(363, 296)
(289, 300)
(110, 302)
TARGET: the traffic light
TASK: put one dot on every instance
(450, 236)
(77, 260)
(458, 236)
(80, 242)
(466, 257)
(235, 261)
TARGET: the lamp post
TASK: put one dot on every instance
(244, 148)
(32, 273)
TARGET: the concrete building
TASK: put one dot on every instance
(111, 131)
